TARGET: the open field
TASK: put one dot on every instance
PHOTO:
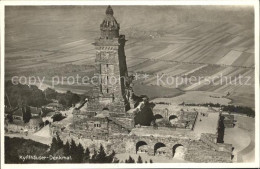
(156, 91)
(178, 41)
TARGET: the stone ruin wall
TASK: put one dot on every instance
(195, 150)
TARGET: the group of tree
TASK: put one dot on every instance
(139, 160)
(19, 146)
(228, 108)
(79, 154)
(239, 109)
(66, 99)
(19, 94)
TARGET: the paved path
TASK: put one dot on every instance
(44, 132)
(247, 154)
(242, 137)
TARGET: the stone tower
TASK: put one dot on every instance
(110, 66)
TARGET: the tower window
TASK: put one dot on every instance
(97, 125)
(107, 76)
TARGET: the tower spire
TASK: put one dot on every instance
(109, 27)
(109, 11)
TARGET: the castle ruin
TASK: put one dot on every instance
(109, 115)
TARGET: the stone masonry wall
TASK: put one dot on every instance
(199, 152)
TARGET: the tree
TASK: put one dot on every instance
(111, 158)
(10, 118)
(86, 155)
(145, 116)
(50, 93)
(93, 157)
(115, 160)
(37, 97)
(73, 150)
(24, 95)
(26, 114)
(79, 153)
(59, 142)
(54, 145)
(67, 148)
(101, 156)
(62, 101)
(151, 161)
(130, 160)
(74, 99)
(139, 160)
(68, 99)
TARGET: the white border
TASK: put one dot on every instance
(254, 3)
(133, 2)
(2, 81)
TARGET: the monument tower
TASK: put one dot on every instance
(110, 66)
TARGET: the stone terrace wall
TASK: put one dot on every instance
(210, 140)
(199, 152)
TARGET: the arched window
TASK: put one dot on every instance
(158, 116)
(157, 146)
(139, 144)
(105, 108)
(178, 151)
(172, 117)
